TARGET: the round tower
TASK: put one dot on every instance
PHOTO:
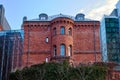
(62, 37)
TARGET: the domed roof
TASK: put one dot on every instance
(61, 15)
(80, 17)
(43, 16)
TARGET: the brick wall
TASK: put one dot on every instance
(34, 36)
(84, 40)
(113, 75)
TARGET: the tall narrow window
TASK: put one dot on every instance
(46, 59)
(54, 31)
(55, 50)
(46, 39)
(70, 50)
(62, 50)
(62, 30)
(69, 31)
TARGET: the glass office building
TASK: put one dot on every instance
(110, 36)
(11, 49)
(110, 42)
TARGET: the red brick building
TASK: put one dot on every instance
(59, 37)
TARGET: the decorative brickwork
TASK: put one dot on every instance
(83, 39)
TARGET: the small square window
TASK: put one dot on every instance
(42, 18)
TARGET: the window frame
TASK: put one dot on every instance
(62, 30)
(55, 50)
(42, 18)
(54, 31)
(46, 39)
(69, 50)
(70, 31)
(62, 50)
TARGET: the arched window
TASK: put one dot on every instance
(62, 30)
(62, 50)
(69, 31)
(55, 50)
(54, 31)
(69, 50)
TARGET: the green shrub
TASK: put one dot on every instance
(60, 71)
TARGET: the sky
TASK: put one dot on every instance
(15, 10)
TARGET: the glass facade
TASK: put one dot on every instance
(11, 44)
(110, 39)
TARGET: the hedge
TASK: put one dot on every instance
(60, 71)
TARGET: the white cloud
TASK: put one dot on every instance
(97, 13)
(82, 10)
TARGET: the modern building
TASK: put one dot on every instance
(60, 37)
(110, 36)
(3, 22)
(4, 55)
(110, 39)
(11, 49)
